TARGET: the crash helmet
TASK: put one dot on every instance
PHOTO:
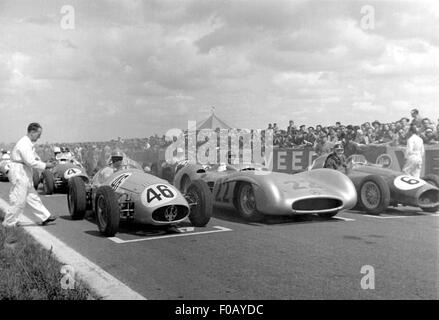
(56, 150)
(6, 157)
(116, 156)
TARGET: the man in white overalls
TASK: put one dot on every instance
(413, 154)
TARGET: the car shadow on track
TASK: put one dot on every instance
(399, 211)
(232, 216)
(131, 228)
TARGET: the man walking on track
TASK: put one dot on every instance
(24, 160)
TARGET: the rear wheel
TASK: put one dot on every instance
(432, 179)
(247, 203)
(48, 182)
(184, 184)
(201, 203)
(107, 211)
(373, 194)
(77, 198)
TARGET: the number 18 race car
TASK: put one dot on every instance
(130, 194)
(378, 187)
(255, 193)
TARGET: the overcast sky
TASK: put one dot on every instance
(134, 68)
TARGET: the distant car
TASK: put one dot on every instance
(254, 192)
(5, 164)
(378, 187)
(133, 195)
(57, 178)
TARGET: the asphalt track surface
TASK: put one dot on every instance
(280, 258)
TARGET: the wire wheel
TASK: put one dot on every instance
(370, 194)
(247, 200)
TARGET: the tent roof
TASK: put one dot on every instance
(213, 122)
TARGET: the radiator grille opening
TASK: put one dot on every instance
(170, 213)
(317, 204)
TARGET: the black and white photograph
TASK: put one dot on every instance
(219, 155)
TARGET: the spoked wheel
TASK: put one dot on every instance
(374, 194)
(107, 211)
(247, 203)
(185, 182)
(200, 201)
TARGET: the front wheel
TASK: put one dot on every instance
(247, 203)
(373, 194)
(48, 182)
(77, 198)
(107, 211)
(200, 202)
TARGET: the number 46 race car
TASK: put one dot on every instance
(378, 187)
(131, 194)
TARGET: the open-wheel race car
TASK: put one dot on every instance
(254, 192)
(57, 178)
(132, 195)
(378, 187)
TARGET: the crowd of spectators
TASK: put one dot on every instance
(322, 138)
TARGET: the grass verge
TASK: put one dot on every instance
(29, 272)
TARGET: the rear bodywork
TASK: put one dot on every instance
(142, 197)
(320, 191)
(404, 189)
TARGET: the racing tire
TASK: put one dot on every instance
(246, 203)
(77, 198)
(107, 211)
(48, 182)
(432, 179)
(373, 194)
(327, 215)
(185, 183)
(36, 179)
(200, 212)
(431, 210)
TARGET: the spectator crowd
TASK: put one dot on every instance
(322, 138)
(94, 155)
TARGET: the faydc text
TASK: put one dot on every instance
(222, 309)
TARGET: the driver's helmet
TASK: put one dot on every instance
(116, 156)
(6, 157)
(56, 150)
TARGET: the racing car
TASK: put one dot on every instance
(130, 194)
(255, 192)
(5, 163)
(57, 178)
(378, 187)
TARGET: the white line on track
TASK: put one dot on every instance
(343, 219)
(401, 217)
(101, 282)
(218, 229)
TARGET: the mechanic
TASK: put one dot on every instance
(24, 160)
(337, 160)
(414, 153)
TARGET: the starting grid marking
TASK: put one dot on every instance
(186, 231)
(401, 217)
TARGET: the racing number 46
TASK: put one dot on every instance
(162, 191)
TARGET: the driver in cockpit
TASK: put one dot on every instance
(337, 160)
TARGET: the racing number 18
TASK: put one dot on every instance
(163, 191)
